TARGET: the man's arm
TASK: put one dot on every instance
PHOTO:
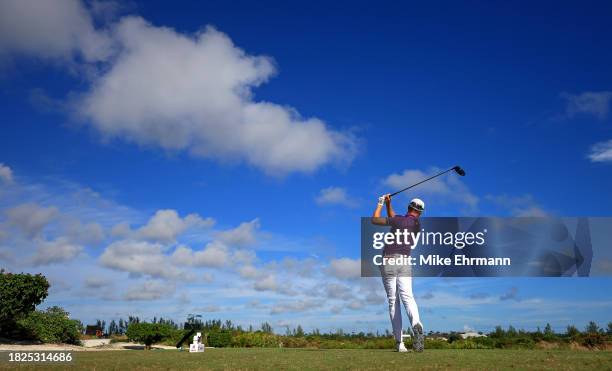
(390, 212)
(376, 218)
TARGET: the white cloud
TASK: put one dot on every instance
(158, 87)
(446, 188)
(121, 230)
(31, 218)
(56, 29)
(96, 282)
(295, 306)
(337, 291)
(519, 206)
(87, 233)
(601, 152)
(215, 254)
(268, 283)
(590, 103)
(150, 290)
(194, 93)
(249, 271)
(335, 196)
(57, 251)
(243, 235)
(208, 309)
(243, 256)
(345, 268)
(6, 174)
(166, 225)
(139, 257)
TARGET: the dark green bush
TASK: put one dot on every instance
(51, 326)
(255, 339)
(149, 333)
(19, 295)
(219, 339)
(175, 336)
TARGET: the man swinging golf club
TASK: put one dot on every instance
(397, 279)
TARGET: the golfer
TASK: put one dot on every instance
(397, 279)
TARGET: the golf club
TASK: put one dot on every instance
(457, 169)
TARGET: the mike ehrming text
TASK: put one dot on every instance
(432, 260)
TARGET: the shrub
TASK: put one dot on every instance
(593, 340)
(592, 328)
(572, 332)
(148, 333)
(220, 339)
(19, 295)
(453, 336)
(254, 339)
(51, 326)
(175, 336)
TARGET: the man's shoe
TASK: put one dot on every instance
(400, 347)
(418, 343)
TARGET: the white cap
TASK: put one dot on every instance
(417, 204)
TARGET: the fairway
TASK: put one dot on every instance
(262, 358)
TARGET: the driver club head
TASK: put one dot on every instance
(459, 170)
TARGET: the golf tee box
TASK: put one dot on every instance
(197, 345)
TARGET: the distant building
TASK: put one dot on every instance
(471, 334)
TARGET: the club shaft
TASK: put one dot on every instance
(422, 181)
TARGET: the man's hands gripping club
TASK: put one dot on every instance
(383, 200)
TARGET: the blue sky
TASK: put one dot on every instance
(283, 124)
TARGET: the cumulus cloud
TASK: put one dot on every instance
(57, 251)
(87, 233)
(194, 93)
(592, 103)
(345, 268)
(519, 206)
(150, 290)
(601, 152)
(96, 282)
(268, 283)
(31, 218)
(6, 174)
(243, 256)
(158, 87)
(166, 225)
(139, 257)
(215, 254)
(449, 188)
(249, 271)
(335, 196)
(208, 309)
(121, 230)
(337, 291)
(54, 29)
(243, 235)
(295, 306)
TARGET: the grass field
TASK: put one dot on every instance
(262, 358)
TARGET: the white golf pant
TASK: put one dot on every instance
(398, 285)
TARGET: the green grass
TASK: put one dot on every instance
(266, 358)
